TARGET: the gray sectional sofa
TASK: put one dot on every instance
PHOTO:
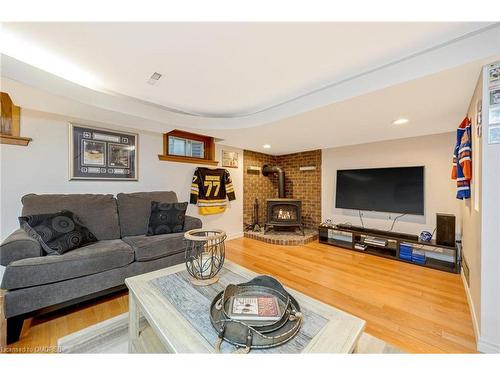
(34, 284)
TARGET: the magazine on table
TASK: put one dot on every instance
(261, 307)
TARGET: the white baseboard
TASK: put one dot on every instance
(487, 347)
(233, 236)
(475, 324)
(482, 345)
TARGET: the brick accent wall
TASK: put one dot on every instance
(255, 185)
(303, 185)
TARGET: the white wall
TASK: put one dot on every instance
(489, 340)
(434, 152)
(42, 167)
(471, 217)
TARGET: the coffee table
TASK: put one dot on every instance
(168, 314)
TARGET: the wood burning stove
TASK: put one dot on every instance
(283, 212)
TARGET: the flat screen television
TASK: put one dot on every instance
(398, 190)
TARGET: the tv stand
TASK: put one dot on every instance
(385, 233)
(388, 245)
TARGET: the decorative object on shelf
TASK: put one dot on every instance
(259, 333)
(328, 223)
(229, 159)
(425, 236)
(102, 154)
(10, 122)
(205, 255)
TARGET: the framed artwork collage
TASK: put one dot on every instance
(102, 154)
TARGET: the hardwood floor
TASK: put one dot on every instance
(417, 309)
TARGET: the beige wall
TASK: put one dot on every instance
(434, 152)
(471, 214)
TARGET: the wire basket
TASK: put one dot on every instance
(205, 255)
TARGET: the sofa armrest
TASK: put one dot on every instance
(19, 245)
(191, 222)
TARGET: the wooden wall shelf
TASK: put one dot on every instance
(12, 140)
(185, 159)
(10, 122)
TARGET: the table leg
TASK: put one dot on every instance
(134, 317)
(3, 322)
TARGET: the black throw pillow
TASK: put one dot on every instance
(166, 218)
(57, 232)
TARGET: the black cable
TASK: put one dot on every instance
(394, 221)
(361, 218)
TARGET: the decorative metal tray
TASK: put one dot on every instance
(257, 334)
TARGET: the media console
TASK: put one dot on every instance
(398, 246)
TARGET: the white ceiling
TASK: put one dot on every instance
(295, 86)
(229, 68)
(434, 104)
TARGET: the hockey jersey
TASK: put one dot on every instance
(209, 190)
(462, 160)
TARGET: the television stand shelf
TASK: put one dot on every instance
(387, 245)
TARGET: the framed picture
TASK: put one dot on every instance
(102, 154)
(494, 74)
(94, 152)
(119, 155)
(495, 96)
(494, 117)
(229, 159)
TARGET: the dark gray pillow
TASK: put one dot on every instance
(57, 232)
(166, 218)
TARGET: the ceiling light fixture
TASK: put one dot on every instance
(266, 146)
(401, 121)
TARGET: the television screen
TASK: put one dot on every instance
(398, 190)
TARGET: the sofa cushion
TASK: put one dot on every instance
(134, 210)
(94, 258)
(166, 218)
(154, 247)
(98, 212)
(58, 232)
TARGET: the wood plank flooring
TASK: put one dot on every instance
(417, 309)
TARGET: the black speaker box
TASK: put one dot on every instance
(445, 229)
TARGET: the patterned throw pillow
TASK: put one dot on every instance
(166, 218)
(57, 232)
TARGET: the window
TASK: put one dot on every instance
(184, 147)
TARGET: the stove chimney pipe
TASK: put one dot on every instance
(267, 170)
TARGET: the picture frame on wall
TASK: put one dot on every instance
(229, 159)
(102, 154)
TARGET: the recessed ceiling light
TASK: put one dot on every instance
(266, 146)
(401, 121)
